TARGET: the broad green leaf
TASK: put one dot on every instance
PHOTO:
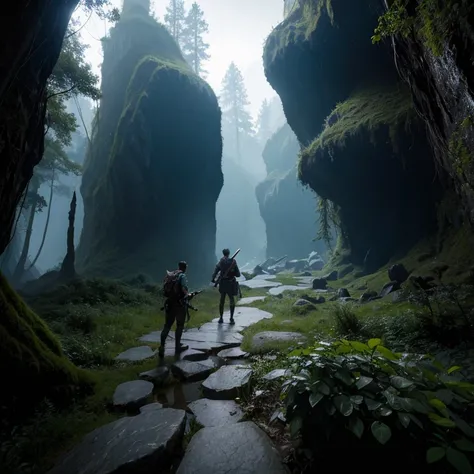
(445, 395)
(441, 421)
(454, 368)
(459, 461)
(404, 419)
(374, 343)
(467, 429)
(357, 399)
(363, 382)
(315, 398)
(384, 411)
(356, 426)
(438, 404)
(344, 376)
(343, 349)
(416, 421)
(388, 354)
(400, 382)
(382, 433)
(465, 445)
(295, 426)
(435, 454)
(331, 409)
(343, 404)
(320, 386)
(360, 346)
(372, 404)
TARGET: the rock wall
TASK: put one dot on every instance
(153, 173)
(289, 210)
(364, 148)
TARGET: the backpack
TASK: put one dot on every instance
(170, 286)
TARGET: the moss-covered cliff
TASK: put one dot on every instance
(288, 209)
(153, 173)
(364, 148)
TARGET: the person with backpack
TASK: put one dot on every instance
(175, 289)
(228, 285)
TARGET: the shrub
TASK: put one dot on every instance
(363, 396)
(347, 323)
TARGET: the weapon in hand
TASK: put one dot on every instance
(221, 276)
(186, 302)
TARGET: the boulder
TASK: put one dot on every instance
(227, 383)
(398, 273)
(216, 412)
(132, 395)
(389, 287)
(320, 284)
(343, 293)
(239, 448)
(234, 353)
(156, 376)
(262, 338)
(333, 276)
(151, 407)
(142, 443)
(318, 300)
(367, 296)
(302, 302)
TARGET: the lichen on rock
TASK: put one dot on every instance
(153, 172)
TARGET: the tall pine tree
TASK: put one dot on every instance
(174, 18)
(194, 46)
(234, 101)
(264, 122)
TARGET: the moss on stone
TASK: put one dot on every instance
(365, 110)
(34, 365)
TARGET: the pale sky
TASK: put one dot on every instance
(237, 31)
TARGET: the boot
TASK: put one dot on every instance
(221, 320)
(181, 348)
(232, 320)
(232, 310)
(161, 352)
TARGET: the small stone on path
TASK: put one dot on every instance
(234, 353)
(262, 338)
(216, 412)
(136, 354)
(156, 376)
(189, 371)
(151, 407)
(132, 395)
(142, 443)
(239, 448)
(227, 383)
(250, 300)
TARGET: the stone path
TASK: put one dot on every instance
(145, 442)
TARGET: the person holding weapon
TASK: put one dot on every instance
(227, 281)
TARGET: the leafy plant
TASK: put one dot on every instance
(366, 395)
(347, 322)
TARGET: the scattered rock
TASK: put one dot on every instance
(136, 354)
(320, 284)
(239, 448)
(425, 283)
(193, 355)
(367, 296)
(278, 415)
(296, 265)
(151, 407)
(398, 296)
(302, 302)
(156, 376)
(142, 443)
(216, 412)
(227, 382)
(306, 274)
(189, 371)
(333, 276)
(347, 299)
(132, 395)
(316, 264)
(389, 287)
(234, 353)
(311, 299)
(343, 293)
(262, 338)
(250, 300)
(398, 273)
(276, 374)
(279, 290)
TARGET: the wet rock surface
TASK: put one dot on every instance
(276, 374)
(132, 395)
(156, 376)
(250, 300)
(227, 382)
(136, 354)
(216, 412)
(193, 355)
(234, 353)
(262, 338)
(319, 284)
(141, 443)
(151, 407)
(240, 448)
(189, 371)
(280, 289)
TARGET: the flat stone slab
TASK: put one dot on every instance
(155, 337)
(151, 407)
(244, 317)
(262, 338)
(136, 354)
(276, 374)
(189, 371)
(250, 300)
(259, 283)
(132, 395)
(193, 355)
(239, 448)
(227, 382)
(279, 290)
(234, 353)
(216, 412)
(156, 376)
(141, 443)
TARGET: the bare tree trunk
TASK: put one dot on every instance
(28, 54)
(68, 269)
(51, 193)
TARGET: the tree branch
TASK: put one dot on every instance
(62, 92)
(79, 29)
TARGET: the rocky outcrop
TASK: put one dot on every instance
(289, 210)
(363, 143)
(153, 172)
